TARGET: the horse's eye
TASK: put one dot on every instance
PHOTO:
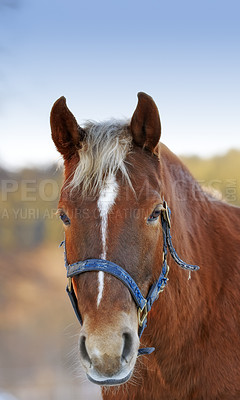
(155, 214)
(64, 218)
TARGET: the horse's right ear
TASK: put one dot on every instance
(66, 133)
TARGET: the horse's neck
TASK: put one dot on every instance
(201, 224)
(204, 234)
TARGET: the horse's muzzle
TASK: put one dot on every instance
(109, 360)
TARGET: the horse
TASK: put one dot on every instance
(123, 191)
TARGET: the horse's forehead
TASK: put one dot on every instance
(114, 192)
(140, 182)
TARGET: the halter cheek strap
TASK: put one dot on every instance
(144, 305)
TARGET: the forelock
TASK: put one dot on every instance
(102, 154)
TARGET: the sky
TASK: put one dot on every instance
(100, 54)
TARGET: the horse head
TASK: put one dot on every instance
(110, 206)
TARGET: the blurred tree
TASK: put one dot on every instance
(219, 173)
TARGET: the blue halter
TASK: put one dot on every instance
(143, 305)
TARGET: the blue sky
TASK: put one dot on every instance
(99, 54)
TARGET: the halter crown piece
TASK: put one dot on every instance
(143, 305)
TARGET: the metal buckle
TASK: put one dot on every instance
(166, 214)
(69, 284)
(165, 276)
(142, 315)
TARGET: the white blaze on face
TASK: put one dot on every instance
(106, 200)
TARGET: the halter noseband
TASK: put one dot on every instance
(143, 305)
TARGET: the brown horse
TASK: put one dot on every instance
(116, 177)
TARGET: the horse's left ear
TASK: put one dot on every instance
(66, 133)
(145, 123)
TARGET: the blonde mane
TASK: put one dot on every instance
(102, 154)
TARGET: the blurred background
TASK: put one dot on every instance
(186, 55)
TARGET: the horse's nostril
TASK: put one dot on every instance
(83, 350)
(127, 346)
